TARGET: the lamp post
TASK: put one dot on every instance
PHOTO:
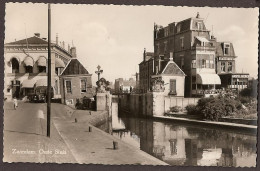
(99, 71)
(49, 73)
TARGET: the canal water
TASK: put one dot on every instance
(183, 144)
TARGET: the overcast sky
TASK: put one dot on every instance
(114, 36)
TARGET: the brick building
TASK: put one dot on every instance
(26, 66)
(197, 53)
(75, 82)
(146, 70)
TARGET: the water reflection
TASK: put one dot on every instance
(178, 144)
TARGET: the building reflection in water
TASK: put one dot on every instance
(178, 144)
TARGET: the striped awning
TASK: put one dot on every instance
(28, 61)
(28, 84)
(43, 82)
(59, 63)
(207, 79)
(42, 61)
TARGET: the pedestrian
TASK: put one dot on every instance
(15, 103)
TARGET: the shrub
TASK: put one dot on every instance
(175, 109)
(191, 109)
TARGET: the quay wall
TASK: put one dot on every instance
(152, 103)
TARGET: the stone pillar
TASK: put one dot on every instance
(158, 103)
(101, 101)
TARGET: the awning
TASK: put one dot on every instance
(28, 84)
(206, 79)
(42, 61)
(28, 61)
(202, 39)
(43, 82)
(59, 63)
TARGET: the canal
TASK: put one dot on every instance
(183, 144)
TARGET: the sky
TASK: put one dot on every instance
(115, 36)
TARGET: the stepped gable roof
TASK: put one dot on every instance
(74, 67)
(172, 69)
(31, 40)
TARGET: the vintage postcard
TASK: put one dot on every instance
(137, 85)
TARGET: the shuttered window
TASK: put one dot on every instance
(173, 86)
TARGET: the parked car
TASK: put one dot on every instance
(36, 98)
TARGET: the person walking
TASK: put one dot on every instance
(15, 103)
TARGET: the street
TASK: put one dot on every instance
(25, 135)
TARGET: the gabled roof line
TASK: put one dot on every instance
(174, 64)
(65, 67)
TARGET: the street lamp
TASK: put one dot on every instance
(99, 71)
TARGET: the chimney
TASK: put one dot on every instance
(198, 15)
(63, 45)
(57, 39)
(69, 48)
(37, 34)
(73, 52)
(171, 56)
(144, 53)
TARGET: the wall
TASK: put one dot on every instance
(178, 101)
(76, 90)
(180, 82)
(152, 103)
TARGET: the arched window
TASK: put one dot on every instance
(15, 65)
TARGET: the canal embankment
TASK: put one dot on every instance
(90, 145)
(229, 125)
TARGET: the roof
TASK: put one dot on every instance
(74, 67)
(172, 69)
(31, 40)
(220, 50)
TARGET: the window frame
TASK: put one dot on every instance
(66, 87)
(81, 88)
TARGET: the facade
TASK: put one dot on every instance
(173, 78)
(26, 66)
(146, 70)
(124, 86)
(197, 53)
(75, 82)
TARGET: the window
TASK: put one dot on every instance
(223, 66)
(42, 68)
(178, 28)
(229, 66)
(172, 86)
(83, 86)
(199, 26)
(207, 64)
(203, 63)
(182, 42)
(182, 62)
(211, 63)
(15, 65)
(193, 63)
(68, 86)
(226, 48)
(28, 69)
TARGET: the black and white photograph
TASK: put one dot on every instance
(130, 85)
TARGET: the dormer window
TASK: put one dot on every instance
(226, 48)
(199, 26)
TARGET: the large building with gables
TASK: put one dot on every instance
(26, 66)
(209, 65)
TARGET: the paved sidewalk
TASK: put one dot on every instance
(96, 147)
